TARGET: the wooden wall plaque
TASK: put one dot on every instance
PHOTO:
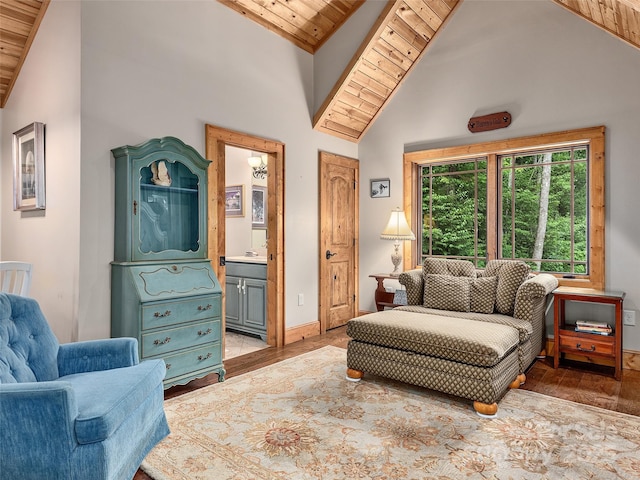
(493, 121)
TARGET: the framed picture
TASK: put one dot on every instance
(28, 168)
(234, 201)
(380, 187)
(259, 207)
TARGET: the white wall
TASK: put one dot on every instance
(552, 71)
(240, 236)
(48, 91)
(151, 69)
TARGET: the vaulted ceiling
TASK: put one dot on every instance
(394, 44)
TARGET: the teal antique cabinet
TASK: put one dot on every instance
(163, 289)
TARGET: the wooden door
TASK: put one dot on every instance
(338, 240)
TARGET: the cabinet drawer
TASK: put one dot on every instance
(170, 313)
(584, 345)
(193, 360)
(172, 339)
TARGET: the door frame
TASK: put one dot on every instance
(323, 270)
(216, 140)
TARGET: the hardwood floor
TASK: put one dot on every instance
(571, 382)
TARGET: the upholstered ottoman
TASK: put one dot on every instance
(463, 357)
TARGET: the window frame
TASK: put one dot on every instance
(593, 136)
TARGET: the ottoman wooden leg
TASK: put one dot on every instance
(519, 381)
(485, 409)
(354, 375)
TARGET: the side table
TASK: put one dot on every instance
(382, 297)
(567, 340)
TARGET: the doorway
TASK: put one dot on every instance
(217, 139)
(339, 240)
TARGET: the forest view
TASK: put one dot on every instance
(541, 209)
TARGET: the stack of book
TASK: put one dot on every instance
(592, 326)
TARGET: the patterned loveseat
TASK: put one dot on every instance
(467, 332)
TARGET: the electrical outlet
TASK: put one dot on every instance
(300, 299)
(629, 318)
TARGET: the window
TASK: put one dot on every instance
(539, 199)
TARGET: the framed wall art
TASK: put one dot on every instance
(259, 207)
(234, 201)
(28, 168)
(380, 187)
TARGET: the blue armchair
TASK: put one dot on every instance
(85, 410)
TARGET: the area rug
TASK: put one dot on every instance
(301, 419)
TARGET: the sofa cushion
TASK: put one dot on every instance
(483, 294)
(462, 340)
(524, 327)
(511, 274)
(446, 292)
(445, 266)
(106, 398)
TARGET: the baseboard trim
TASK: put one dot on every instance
(295, 334)
(630, 358)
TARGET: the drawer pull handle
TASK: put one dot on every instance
(204, 357)
(162, 315)
(162, 342)
(207, 332)
(168, 366)
(208, 307)
(592, 349)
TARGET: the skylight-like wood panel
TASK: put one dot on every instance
(19, 22)
(618, 17)
(395, 43)
(306, 23)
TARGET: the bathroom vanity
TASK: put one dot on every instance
(246, 295)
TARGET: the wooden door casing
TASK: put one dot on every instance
(216, 140)
(338, 240)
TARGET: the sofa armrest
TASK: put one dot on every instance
(530, 305)
(39, 418)
(413, 281)
(96, 355)
(538, 286)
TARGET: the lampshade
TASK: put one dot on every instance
(397, 228)
(258, 164)
(255, 162)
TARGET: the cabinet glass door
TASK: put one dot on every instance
(168, 210)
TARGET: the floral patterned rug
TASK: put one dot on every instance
(301, 419)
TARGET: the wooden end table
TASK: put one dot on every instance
(382, 297)
(567, 340)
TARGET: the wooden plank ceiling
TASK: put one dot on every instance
(19, 22)
(618, 17)
(306, 23)
(393, 46)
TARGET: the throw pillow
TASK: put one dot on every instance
(446, 292)
(511, 274)
(483, 294)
